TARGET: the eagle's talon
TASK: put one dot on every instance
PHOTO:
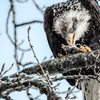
(67, 53)
(83, 48)
(60, 55)
(87, 48)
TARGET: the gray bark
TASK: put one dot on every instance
(56, 66)
(91, 88)
(66, 63)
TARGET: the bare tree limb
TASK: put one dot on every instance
(21, 1)
(7, 26)
(51, 93)
(11, 85)
(6, 70)
(37, 6)
(16, 46)
(15, 34)
(21, 43)
(26, 64)
(8, 32)
(6, 97)
(31, 22)
(71, 90)
(2, 69)
(66, 63)
(55, 66)
(25, 78)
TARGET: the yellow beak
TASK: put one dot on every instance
(71, 39)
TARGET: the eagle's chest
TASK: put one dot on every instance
(78, 20)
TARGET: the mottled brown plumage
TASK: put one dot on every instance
(91, 38)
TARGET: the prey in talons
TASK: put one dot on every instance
(72, 47)
(71, 41)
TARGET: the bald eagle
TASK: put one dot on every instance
(71, 23)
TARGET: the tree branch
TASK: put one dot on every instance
(31, 22)
(37, 6)
(21, 1)
(28, 77)
(66, 63)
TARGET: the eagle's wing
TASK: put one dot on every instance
(93, 7)
(96, 7)
(55, 40)
(48, 20)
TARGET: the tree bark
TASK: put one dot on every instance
(91, 88)
(66, 63)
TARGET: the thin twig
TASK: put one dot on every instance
(38, 60)
(31, 22)
(2, 69)
(15, 34)
(21, 57)
(7, 26)
(37, 6)
(7, 70)
(32, 46)
(44, 59)
(73, 77)
(21, 43)
(25, 50)
(37, 97)
(71, 90)
(51, 57)
(21, 1)
(8, 32)
(6, 97)
(26, 64)
(29, 95)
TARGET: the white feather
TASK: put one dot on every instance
(82, 18)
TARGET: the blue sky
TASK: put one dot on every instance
(25, 12)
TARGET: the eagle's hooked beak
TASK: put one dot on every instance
(71, 39)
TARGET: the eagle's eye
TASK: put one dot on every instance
(71, 30)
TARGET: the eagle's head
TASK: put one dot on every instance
(72, 25)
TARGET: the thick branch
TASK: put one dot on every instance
(55, 66)
(8, 85)
(66, 63)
